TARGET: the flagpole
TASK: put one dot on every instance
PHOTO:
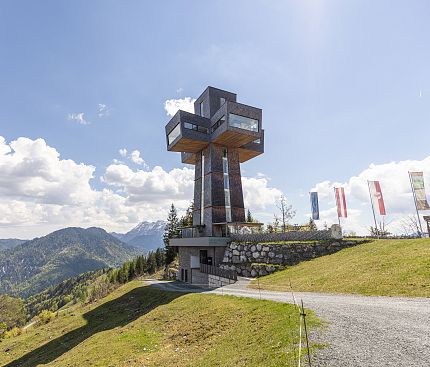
(415, 202)
(373, 209)
(337, 205)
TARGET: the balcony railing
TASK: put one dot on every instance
(214, 270)
(191, 232)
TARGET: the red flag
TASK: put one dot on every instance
(341, 202)
(376, 195)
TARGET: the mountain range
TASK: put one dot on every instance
(146, 235)
(10, 243)
(34, 265)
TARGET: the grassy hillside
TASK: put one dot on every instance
(33, 266)
(141, 326)
(381, 267)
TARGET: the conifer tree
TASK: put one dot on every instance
(171, 230)
(152, 263)
(140, 270)
(249, 217)
(187, 219)
(159, 257)
(132, 269)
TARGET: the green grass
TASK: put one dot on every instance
(141, 326)
(381, 267)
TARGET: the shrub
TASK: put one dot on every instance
(45, 317)
(15, 331)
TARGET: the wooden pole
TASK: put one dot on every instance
(306, 334)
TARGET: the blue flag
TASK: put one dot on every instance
(314, 205)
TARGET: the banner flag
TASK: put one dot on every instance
(376, 196)
(315, 206)
(341, 202)
(417, 183)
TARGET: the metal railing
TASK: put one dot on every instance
(214, 270)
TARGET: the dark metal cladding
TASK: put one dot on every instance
(220, 135)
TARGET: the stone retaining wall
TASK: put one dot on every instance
(251, 260)
(215, 281)
(334, 232)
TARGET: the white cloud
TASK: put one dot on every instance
(103, 110)
(122, 152)
(156, 185)
(31, 169)
(173, 105)
(256, 193)
(79, 118)
(136, 158)
(41, 192)
(396, 191)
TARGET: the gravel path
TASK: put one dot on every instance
(362, 331)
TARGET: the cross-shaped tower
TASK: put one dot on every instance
(220, 135)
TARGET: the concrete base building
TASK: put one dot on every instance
(220, 135)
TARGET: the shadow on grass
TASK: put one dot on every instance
(116, 313)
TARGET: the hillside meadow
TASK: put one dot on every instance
(379, 268)
(139, 325)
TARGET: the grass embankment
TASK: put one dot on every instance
(378, 268)
(141, 326)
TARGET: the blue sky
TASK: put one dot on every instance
(342, 84)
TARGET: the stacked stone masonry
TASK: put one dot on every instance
(215, 281)
(252, 260)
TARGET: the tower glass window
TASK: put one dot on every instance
(217, 124)
(195, 127)
(202, 198)
(243, 122)
(202, 109)
(174, 134)
(226, 186)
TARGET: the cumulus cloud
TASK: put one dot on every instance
(103, 110)
(78, 117)
(31, 169)
(156, 185)
(136, 158)
(395, 185)
(257, 195)
(173, 105)
(41, 192)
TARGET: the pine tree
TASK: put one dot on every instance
(144, 265)
(159, 257)
(152, 263)
(187, 219)
(139, 266)
(249, 217)
(132, 269)
(171, 230)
